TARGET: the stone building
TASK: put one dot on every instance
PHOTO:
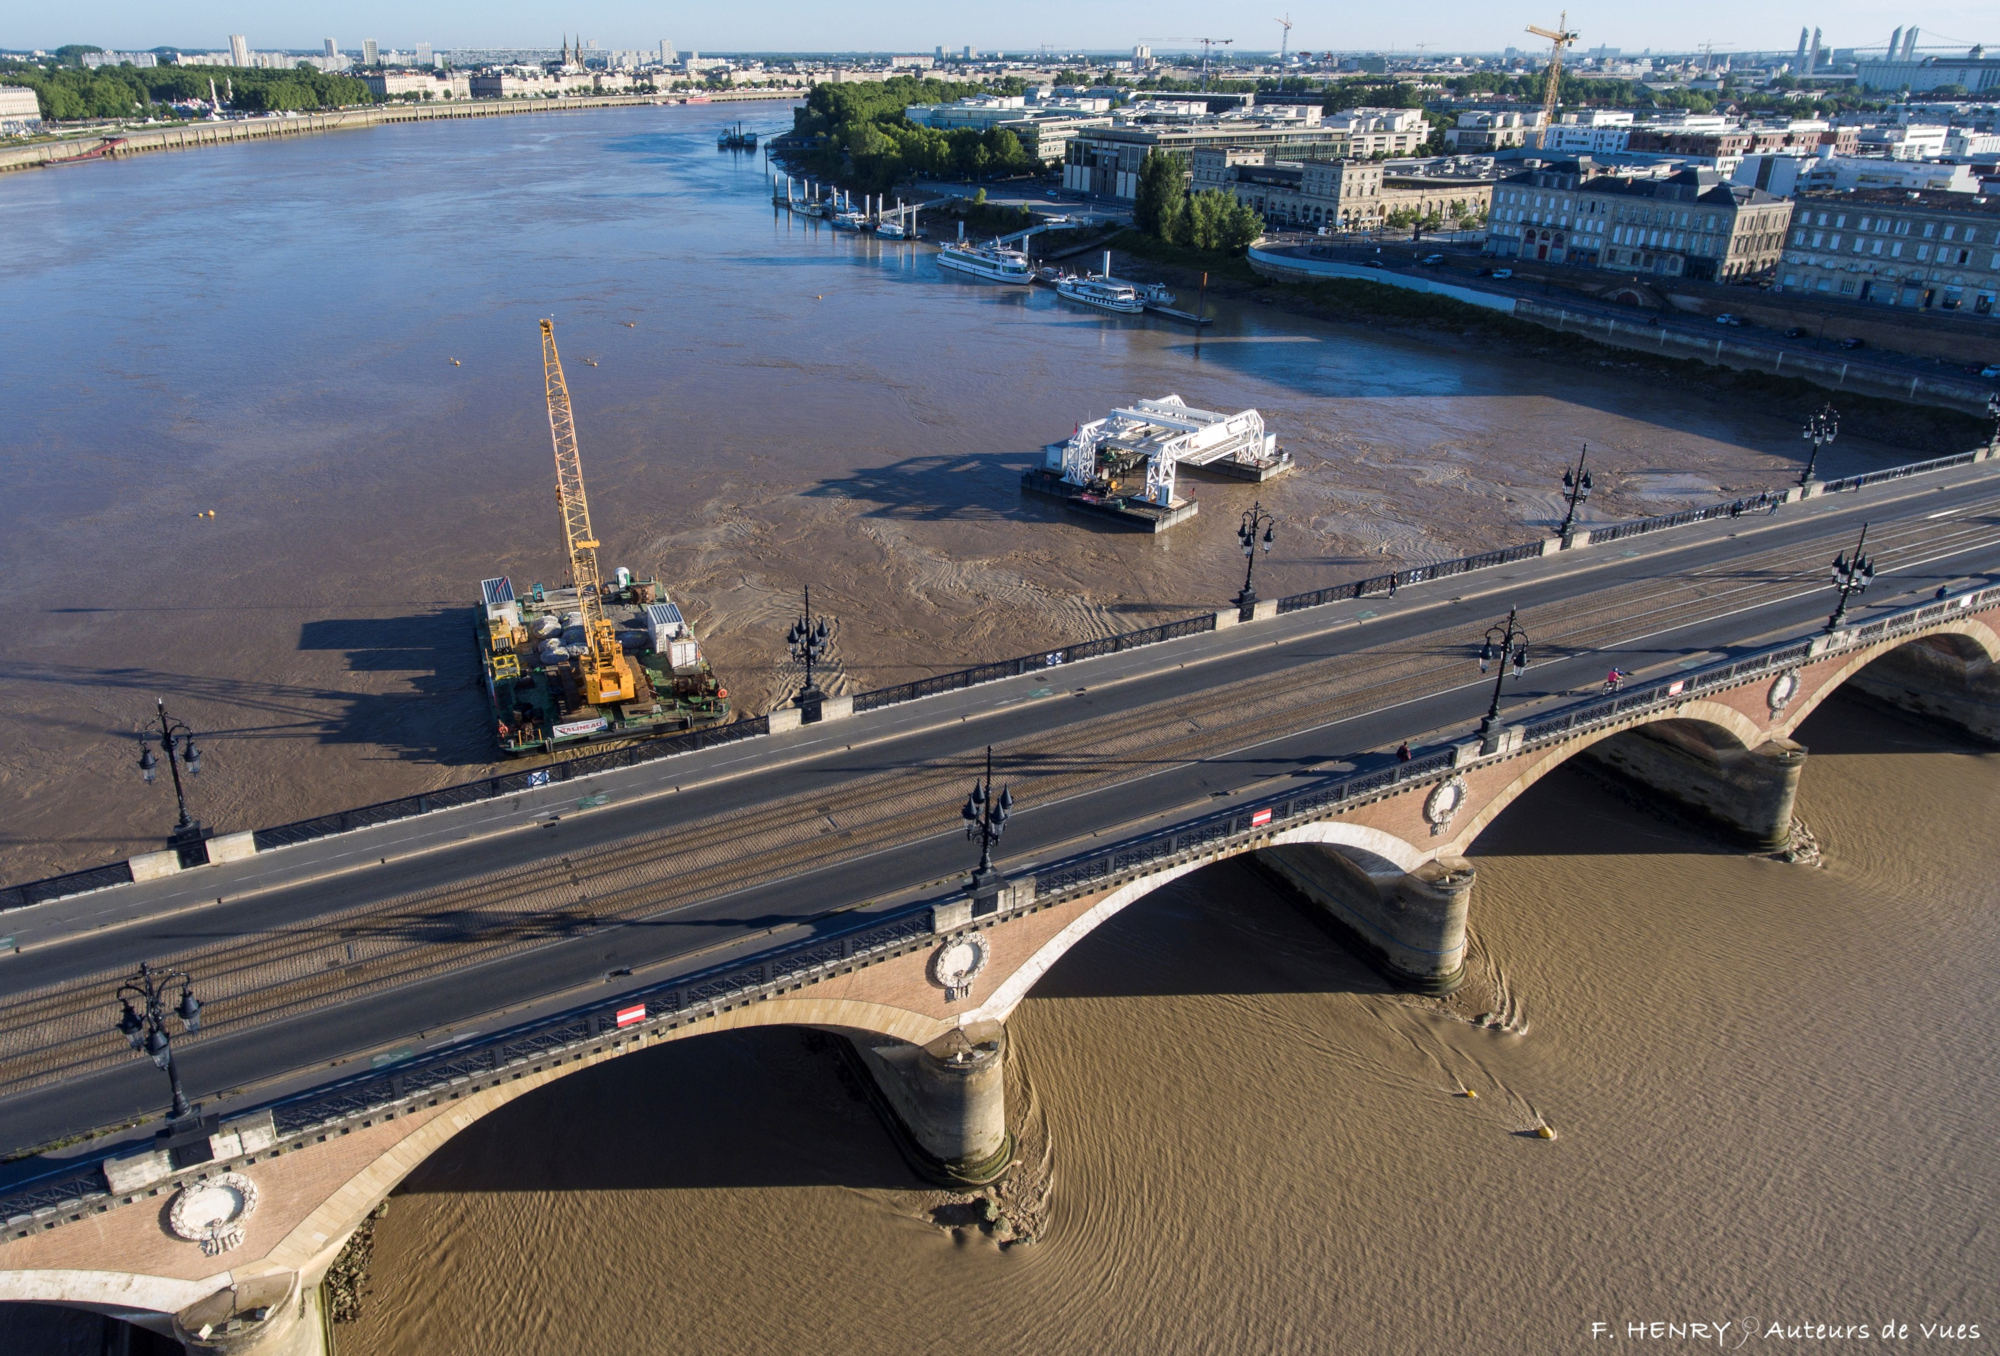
(1339, 194)
(1920, 250)
(1692, 224)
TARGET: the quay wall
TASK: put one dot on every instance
(188, 136)
(1722, 350)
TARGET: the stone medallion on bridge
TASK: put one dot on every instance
(954, 964)
(1444, 802)
(211, 1213)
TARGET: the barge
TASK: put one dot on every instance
(529, 646)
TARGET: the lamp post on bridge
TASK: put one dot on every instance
(1993, 413)
(809, 642)
(1850, 577)
(1576, 489)
(1821, 428)
(1508, 643)
(985, 820)
(1254, 517)
(145, 1027)
(177, 743)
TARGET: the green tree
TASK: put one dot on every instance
(1162, 191)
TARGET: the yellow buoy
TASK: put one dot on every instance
(1472, 1093)
(456, 363)
(1545, 1132)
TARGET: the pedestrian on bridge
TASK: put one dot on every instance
(1403, 752)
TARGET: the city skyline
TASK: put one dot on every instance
(621, 24)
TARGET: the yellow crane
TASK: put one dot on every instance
(604, 673)
(1559, 38)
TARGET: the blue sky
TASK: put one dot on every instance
(792, 25)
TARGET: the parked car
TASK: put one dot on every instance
(1795, 332)
(1850, 342)
(1429, 259)
(1727, 319)
(1503, 272)
(1990, 370)
(1376, 263)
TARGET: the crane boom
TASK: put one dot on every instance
(606, 675)
(1559, 38)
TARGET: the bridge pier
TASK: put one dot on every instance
(1411, 926)
(272, 1314)
(950, 1097)
(1747, 793)
(1940, 680)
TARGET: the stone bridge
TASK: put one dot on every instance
(923, 997)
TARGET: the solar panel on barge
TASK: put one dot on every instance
(497, 592)
(664, 621)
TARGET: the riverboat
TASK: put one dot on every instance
(849, 220)
(891, 229)
(528, 647)
(1101, 293)
(993, 263)
(736, 139)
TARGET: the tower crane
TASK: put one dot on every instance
(1285, 42)
(604, 675)
(1206, 45)
(1559, 38)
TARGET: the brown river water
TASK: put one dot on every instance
(1773, 1084)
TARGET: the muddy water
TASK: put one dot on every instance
(1772, 1086)
(331, 344)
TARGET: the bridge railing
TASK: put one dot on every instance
(1416, 574)
(1914, 468)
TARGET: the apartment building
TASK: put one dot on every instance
(1691, 224)
(1919, 250)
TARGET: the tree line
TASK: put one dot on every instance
(858, 135)
(72, 93)
(1210, 220)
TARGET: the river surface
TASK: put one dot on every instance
(331, 343)
(1773, 1084)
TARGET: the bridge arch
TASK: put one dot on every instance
(1721, 726)
(1369, 851)
(1969, 645)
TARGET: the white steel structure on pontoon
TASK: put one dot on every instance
(1166, 432)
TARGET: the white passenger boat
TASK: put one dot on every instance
(848, 221)
(890, 229)
(994, 263)
(1103, 293)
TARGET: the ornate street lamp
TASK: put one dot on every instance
(1254, 517)
(809, 642)
(145, 1027)
(177, 743)
(1850, 577)
(1507, 643)
(985, 820)
(1576, 489)
(1820, 430)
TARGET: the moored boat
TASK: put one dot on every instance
(993, 263)
(1102, 293)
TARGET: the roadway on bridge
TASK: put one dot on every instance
(412, 952)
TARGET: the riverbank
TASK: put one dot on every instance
(1459, 327)
(114, 145)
